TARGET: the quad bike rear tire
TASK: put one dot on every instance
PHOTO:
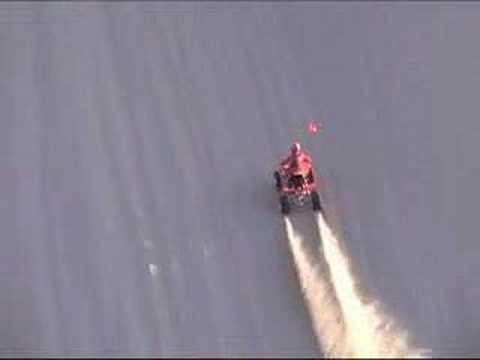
(316, 204)
(284, 205)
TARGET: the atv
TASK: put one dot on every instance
(297, 189)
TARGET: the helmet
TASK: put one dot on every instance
(295, 148)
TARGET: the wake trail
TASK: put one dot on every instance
(369, 333)
(322, 306)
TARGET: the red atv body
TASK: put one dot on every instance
(297, 189)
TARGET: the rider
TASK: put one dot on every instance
(298, 164)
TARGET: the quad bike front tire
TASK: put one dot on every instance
(278, 180)
(316, 204)
(284, 205)
(310, 177)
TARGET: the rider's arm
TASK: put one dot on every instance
(306, 159)
(285, 163)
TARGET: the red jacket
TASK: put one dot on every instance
(297, 164)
